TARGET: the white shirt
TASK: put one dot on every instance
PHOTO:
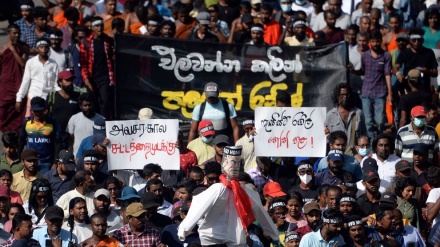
(64, 200)
(132, 179)
(100, 7)
(81, 127)
(38, 79)
(113, 219)
(247, 153)
(41, 223)
(343, 22)
(434, 194)
(308, 8)
(166, 209)
(81, 230)
(221, 223)
(59, 57)
(386, 169)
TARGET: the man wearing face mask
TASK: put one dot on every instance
(363, 147)
(307, 187)
(417, 132)
(63, 104)
(203, 145)
(329, 232)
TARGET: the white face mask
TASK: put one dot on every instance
(286, 8)
(305, 178)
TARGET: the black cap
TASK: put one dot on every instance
(388, 198)
(221, 139)
(38, 104)
(420, 148)
(66, 157)
(29, 154)
(369, 164)
(54, 212)
(149, 200)
(369, 175)
(402, 165)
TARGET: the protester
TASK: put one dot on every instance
(39, 200)
(22, 181)
(78, 221)
(99, 238)
(61, 177)
(10, 159)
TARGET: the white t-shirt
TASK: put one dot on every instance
(434, 194)
(81, 127)
(216, 114)
(59, 57)
(81, 230)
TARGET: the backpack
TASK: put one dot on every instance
(228, 130)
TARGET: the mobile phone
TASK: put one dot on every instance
(49, 243)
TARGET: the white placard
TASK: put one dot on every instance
(290, 132)
(135, 143)
(435, 81)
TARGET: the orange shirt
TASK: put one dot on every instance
(272, 32)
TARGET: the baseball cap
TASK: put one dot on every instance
(128, 193)
(389, 198)
(54, 212)
(402, 165)
(204, 18)
(149, 200)
(211, 88)
(420, 148)
(291, 236)
(335, 155)
(402, 35)
(102, 192)
(369, 164)
(98, 139)
(253, 2)
(145, 114)
(221, 139)
(185, 205)
(135, 209)
(310, 206)
(273, 189)
(206, 128)
(99, 126)
(369, 175)
(66, 157)
(29, 154)
(418, 111)
(413, 75)
(4, 191)
(38, 104)
(65, 75)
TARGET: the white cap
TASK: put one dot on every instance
(102, 192)
(145, 114)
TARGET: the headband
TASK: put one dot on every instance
(304, 166)
(153, 23)
(299, 22)
(25, 6)
(97, 23)
(347, 199)
(97, 127)
(351, 185)
(41, 42)
(91, 159)
(248, 122)
(257, 29)
(415, 36)
(277, 204)
(53, 36)
(355, 223)
(332, 221)
(40, 189)
(291, 236)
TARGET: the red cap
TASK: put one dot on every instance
(206, 128)
(418, 111)
(4, 191)
(65, 75)
(273, 189)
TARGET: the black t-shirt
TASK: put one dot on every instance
(62, 109)
(100, 66)
(423, 58)
(366, 206)
(209, 37)
(408, 101)
(159, 221)
(228, 13)
(308, 195)
(242, 37)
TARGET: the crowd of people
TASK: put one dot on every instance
(377, 186)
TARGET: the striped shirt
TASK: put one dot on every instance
(407, 138)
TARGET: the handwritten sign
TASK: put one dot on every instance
(135, 143)
(290, 132)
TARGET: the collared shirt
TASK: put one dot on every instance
(23, 185)
(259, 179)
(38, 79)
(386, 169)
(32, 242)
(166, 209)
(64, 201)
(24, 28)
(59, 186)
(41, 235)
(407, 138)
(372, 233)
(148, 238)
(368, 207)
(247, 152)
(29, 36)
(325, 177)
(334, 122)
(315, 239)
(203, 151)
(375, 68)
(350, 165)
(14, 167)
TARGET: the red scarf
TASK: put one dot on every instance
(242, 201)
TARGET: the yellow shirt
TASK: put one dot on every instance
(247, 153)
(203, 151)
(23, 185)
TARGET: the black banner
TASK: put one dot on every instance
(169, 75)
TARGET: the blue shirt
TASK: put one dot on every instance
(325, 177)
(351, 165)
(58, 185)
(315, 239)
(372, 233)
(41, 236)
(86, 144)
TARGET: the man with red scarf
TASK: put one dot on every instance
(228, 208)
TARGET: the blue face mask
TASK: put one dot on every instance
(286, 7)
(364, 151)
(419, 122)
(300, 2)
(206, 140)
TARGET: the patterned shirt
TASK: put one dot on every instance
(259, 179)
(29, 36)
(149, 238)
(24, 28)
(32, 242)
(375, 71)
(407, 138)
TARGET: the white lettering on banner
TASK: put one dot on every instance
(134, 143)
(290, 132)
(196, 62)
(277, 65)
